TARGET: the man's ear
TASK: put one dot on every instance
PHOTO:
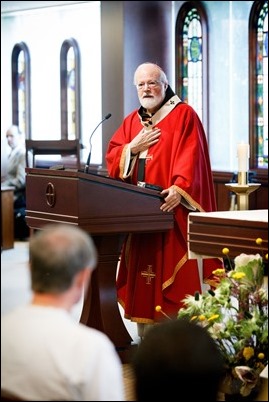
(83, 277)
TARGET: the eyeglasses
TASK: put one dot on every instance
(150, 84)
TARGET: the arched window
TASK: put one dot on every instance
(258, 81)
(70, 90)
(21, 105)
(191, 58)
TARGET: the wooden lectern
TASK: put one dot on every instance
(108, 209)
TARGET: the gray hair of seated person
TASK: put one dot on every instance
(56, 254)
(177, 360)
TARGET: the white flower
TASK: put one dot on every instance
(216, 329)
(243, 259)
(251, 265)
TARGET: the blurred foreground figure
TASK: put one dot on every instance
(177, 360)
(46, 355)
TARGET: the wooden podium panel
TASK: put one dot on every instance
(108, 209)
(96, 203)
(210, 232)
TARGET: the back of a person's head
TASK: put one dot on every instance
(178, 360)
(56, 254)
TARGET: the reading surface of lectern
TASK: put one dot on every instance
(108, 209)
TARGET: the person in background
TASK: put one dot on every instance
(161, 143)
(45, 353)
(15, 177)
(177, 360)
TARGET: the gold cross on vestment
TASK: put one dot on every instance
(148, 274)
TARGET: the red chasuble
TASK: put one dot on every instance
(154, 267)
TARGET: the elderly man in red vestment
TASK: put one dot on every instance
(162, 143)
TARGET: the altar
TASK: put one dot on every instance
(210, 232)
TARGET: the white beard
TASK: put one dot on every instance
(151, 103)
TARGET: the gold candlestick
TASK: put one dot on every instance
(243, 178)
(242, 191)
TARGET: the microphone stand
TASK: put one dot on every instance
(86, 168)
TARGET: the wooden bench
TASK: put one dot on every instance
(7, 217)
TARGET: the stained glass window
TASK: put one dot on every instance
(21, 88)
(190, 60)
(258, 83)
(262, 87)
(71, 95)
(21, 91)
(70, 90)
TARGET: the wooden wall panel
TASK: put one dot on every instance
(257, 200)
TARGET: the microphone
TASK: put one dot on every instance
(86, 169)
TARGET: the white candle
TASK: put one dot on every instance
(243, 156)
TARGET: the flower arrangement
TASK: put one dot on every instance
(235, 312)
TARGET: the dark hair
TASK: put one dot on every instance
(179, 360)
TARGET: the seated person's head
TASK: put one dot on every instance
(59, 254)
(14, 136)
(177, 360)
